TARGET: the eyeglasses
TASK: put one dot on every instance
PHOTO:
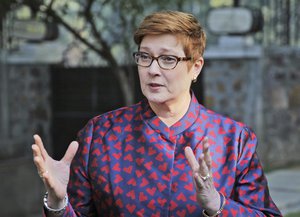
(164, 61)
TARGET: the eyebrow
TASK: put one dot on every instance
(162, 50)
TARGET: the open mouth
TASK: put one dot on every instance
(155, 85)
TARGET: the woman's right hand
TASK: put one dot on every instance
(55, 174)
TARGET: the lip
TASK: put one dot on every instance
(155, 86)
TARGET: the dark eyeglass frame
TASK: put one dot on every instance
(178, 59)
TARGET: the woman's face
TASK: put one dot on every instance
(166, 86)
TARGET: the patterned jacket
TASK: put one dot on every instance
(129, 163)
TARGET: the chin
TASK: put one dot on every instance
(156, 98)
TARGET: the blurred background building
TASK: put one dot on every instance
(63, 62)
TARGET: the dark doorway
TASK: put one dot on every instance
(78, 94)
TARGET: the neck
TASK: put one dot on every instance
(171, 112)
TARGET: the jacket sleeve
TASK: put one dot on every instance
(79, 188)
(250, 195)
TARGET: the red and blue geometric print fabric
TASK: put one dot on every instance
(129, 163)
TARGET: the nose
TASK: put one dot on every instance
(154, 68)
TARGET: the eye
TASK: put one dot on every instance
(168, 59)
(144, 56)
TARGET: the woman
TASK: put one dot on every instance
(165, 156)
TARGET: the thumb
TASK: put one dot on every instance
(70, 153)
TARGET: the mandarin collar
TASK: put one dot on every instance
(159, 126)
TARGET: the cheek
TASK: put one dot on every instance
(141, 77)
(180, 79)
(143, 81)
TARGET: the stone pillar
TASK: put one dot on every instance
(233, 81)
(281, 96)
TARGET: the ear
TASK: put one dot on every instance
(198, 64)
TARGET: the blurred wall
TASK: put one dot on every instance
(281, 106)
(27, 110)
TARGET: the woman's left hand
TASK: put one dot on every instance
(207, 195)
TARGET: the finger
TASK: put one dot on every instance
(37, 156)
(36, 151)
(206, 153)
(41, 167)
(39, 162)
(70, 153)
(39, 143)
(191, 158)
(198, 182)
(203, 170)
(189, 154)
